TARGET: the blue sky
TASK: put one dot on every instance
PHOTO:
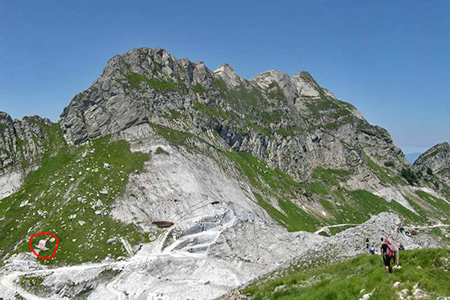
(391, 59)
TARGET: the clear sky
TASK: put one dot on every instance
(391, 59)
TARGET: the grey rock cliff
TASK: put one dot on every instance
(436, 159)
(23, 144)
(21, 141)
(122, 96)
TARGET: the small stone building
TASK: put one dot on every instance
(42, 245)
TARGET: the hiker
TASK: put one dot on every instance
(397, 255)
(367, 244)
(372, 249)
(387, 250)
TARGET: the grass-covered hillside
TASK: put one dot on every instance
(424, 272)
(281, 196)
(70, 195)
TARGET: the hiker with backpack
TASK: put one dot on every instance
(387, 251)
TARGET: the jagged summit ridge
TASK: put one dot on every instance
(154, 63)
(5, 118)
(301, 84)
(271, 116)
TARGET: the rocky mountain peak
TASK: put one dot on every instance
(445, 146)
(306, 85)
(132, 87)
(228, 75)
(155, 64)
(301, 84)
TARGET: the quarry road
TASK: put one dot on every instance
(332, 226)
(431, 226)
(118, 294)
(414, 227)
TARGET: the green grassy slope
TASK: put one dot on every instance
(341, 206)
(275, 184)
(429, 268)
(70, 195)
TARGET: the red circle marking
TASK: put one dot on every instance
(42, 233)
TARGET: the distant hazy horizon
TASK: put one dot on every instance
(389, 59)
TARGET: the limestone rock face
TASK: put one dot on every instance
(23, 143)
(21, 140)
(436, 159)
(227, 74)
(290, 122)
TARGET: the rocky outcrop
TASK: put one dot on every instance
(340, 247)
(23, 143)
(436, 158)
(227, 74)
(435, 161)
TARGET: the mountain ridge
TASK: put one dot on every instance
(278, 102)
